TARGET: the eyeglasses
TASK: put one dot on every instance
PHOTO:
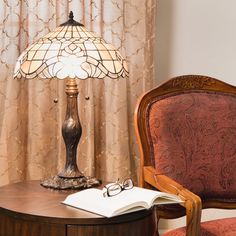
(116, 188)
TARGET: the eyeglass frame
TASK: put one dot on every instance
(121, 186)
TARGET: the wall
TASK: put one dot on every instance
(196, 37)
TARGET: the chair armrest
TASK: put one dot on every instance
(192, 202)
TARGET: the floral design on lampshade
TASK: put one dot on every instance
(70, 51)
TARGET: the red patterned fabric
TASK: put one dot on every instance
(193, 140)
(222, 227)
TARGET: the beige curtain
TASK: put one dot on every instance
(31, 145)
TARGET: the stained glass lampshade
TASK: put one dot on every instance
(70, 52)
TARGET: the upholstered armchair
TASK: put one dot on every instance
(186, 130)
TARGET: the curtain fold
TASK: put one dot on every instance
(32, 112)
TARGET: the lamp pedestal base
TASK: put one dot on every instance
(57, 182)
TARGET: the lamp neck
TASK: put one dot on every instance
(71, 87)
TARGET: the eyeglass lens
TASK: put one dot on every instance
(128, 184)
(114, 189)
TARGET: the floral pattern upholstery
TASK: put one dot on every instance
(193, 139)
(222, 227)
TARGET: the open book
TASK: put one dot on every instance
(127, 201)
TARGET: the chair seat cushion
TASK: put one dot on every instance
(220, 227)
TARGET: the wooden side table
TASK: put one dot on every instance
(28, 209)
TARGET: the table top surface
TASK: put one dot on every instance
(32, 201)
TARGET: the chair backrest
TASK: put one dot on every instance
(187, 131)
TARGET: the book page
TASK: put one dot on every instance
(152, 197)
(90, 200)
(166, 198)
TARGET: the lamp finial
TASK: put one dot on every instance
(71, 15)
(71, 21)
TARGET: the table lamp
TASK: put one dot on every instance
(70, 52)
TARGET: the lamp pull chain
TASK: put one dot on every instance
(87, 90)
(55, 100)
